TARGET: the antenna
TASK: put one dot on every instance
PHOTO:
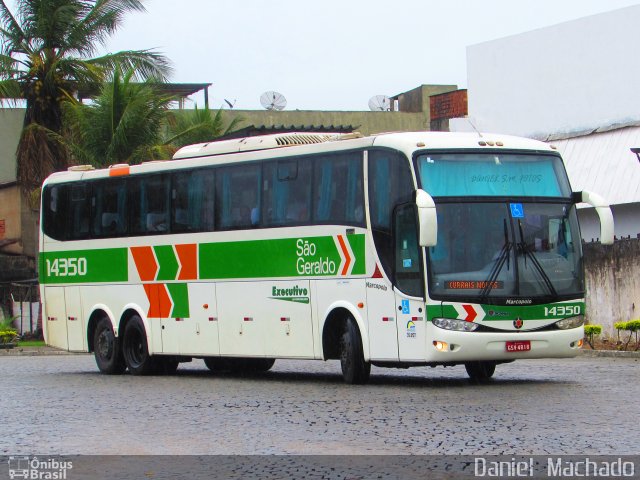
(380, 103)
(273, 100)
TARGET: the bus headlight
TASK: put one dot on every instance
(571, 322)
(456, 325)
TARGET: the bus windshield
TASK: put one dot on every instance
(495, 250)
(492, 174)
(488, 251)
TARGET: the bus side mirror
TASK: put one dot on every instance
(602, 209)
(427, 219)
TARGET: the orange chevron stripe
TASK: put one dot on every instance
(188, 259)
(145, 263)
(160, 303)
(347, 257)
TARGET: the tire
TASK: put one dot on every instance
(106, 349)
(239, 365)
(355, 370)
(135, 349)
(167, 365)
(215, 364)
(480, 372)
(259, 364)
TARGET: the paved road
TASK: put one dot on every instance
(62, 405)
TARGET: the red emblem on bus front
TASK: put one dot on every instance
(518, 323)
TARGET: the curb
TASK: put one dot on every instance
(610, 353)
(35, 351)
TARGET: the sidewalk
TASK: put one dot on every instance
(33, 351)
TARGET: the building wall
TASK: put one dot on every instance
(10, 127)
(613, 283)
(574, 76)
(365, 122)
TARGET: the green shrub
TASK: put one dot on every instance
(590, 331)
(8, 335)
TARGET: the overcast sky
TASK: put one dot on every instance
(331, 54)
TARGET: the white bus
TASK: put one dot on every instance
(393, 250)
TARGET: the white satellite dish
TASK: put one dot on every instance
(380, 103)
(273, 100)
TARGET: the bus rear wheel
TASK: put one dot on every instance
(480, 371)
(135, 349)
(354, 368)
(106, 349)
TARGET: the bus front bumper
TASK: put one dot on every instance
(452, 346)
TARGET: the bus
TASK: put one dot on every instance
(392, 250)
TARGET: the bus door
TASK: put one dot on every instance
(287, 312)
(409, 285)
(202, 325)
(241, 320)
(74, 319)
(56, 317)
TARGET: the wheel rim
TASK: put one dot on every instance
(135, 349)
(104, 345)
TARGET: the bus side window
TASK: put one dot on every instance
(192, 201)
(109, 212)
(287, 196)
(149, 204)
(237, 199)
(80, 212)
(390, 184)
(338, 189)
(55, 208)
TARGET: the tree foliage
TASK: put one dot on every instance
(129, 122)
(47, 55)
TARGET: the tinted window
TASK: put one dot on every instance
(390, 185)
(338, 189)
(193, 201)
(149, 204)
(238, 196)
(54, 205)
(287, 192)
(80, 212)
(109, 201)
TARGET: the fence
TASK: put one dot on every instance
(21, 301)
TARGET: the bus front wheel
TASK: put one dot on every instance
(480, 371)
(135, 349)
(106, 349)
(354, 368)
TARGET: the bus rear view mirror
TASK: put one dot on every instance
(604, 213)
(428, 221)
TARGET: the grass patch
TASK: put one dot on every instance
(31, 343)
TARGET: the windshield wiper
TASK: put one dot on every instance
(528, 254)
(503, 257)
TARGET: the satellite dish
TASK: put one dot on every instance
(380, 103)
(273, 100)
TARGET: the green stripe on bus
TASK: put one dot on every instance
(84, 266)
(167, 262)
(179, 294)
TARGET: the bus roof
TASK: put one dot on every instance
(298, 143)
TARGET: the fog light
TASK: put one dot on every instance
(441, 346)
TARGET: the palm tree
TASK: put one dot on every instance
(47, 56)
(129, 122)
(122, 125)
(197, 126)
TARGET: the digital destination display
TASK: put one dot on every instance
(472, 285)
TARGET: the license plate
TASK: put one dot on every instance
(519, 346)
